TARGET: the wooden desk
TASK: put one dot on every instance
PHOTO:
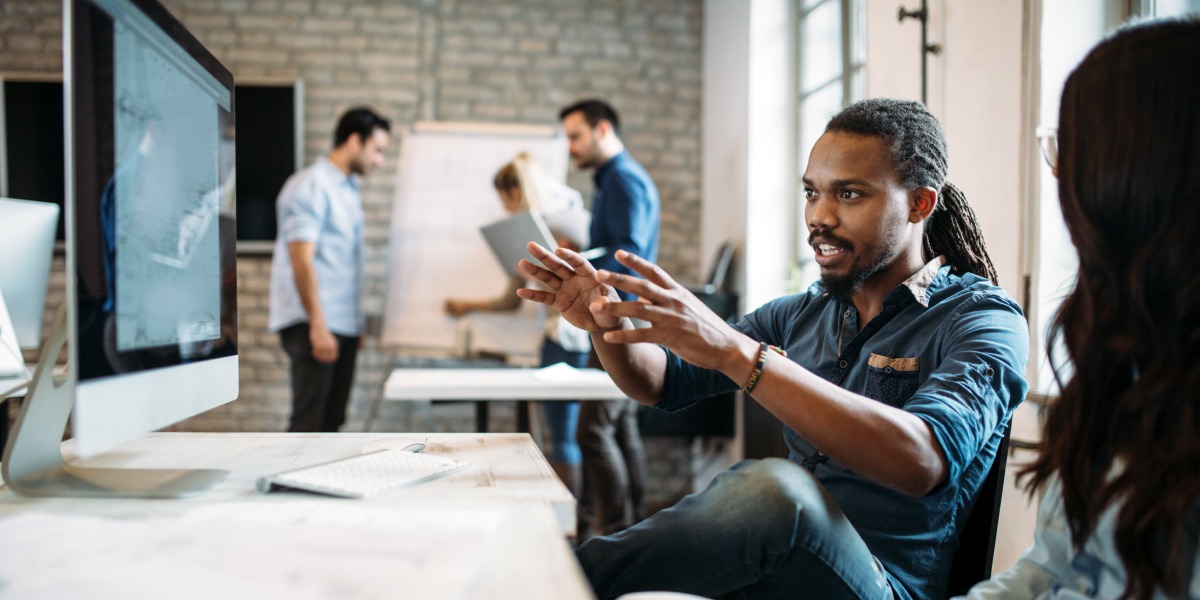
(496, 530)
(486, 385)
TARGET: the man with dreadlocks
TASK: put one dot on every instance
(896, 376)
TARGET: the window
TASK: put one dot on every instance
(1164, 8)
(1069, 30)
(831, 47)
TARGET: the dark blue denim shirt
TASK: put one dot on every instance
(625, 213)
(950, 350)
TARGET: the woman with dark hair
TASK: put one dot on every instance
(1120, 464)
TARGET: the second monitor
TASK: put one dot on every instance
(150, 312)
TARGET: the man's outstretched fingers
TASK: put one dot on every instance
(536, 295)
(637, 310)
(630, 336)
(539, 274)
(645, 268)
(634, 285)
(555, 264)
(577, 262)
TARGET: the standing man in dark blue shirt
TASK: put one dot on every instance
(625, 216)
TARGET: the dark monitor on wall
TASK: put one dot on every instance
(150, 311)
(269, 146)
(31, 147)
(270, 149)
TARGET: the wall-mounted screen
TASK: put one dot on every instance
(31, 147)
(269, 146)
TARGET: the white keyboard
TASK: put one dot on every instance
(364, 475)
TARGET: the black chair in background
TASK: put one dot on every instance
(977, 544)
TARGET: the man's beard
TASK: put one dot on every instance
(590, 160)
(584, 163)
(843, 287)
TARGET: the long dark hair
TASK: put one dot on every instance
(918, 151)
(1125, 433)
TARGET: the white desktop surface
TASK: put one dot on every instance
(500, 384)
(495, 530)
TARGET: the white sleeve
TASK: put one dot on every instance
(1047, 562)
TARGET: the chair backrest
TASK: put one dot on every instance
(720, 266)
(977, 544)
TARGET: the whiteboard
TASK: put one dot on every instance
(443, 196)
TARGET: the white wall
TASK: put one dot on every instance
(748, 156)
(976, 91)
(771, 196)
(725, 131)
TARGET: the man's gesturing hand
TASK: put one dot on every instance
(678, 319)
(573, 288)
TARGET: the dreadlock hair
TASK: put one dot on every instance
(918, 151)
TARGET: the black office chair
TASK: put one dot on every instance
(977, 545)
(715, 292)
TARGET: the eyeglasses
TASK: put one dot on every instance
(1048, 141)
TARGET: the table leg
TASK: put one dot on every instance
(481, 416)
(523, 416)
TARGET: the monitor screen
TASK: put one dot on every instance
(152, 240)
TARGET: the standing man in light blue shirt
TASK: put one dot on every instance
(317, 271)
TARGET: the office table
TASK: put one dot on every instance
(555, 383)
(495, 530)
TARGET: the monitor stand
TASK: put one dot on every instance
(33, 462)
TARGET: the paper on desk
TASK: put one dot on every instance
(234, 551)
(564, 373)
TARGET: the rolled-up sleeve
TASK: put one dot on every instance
(979, 381)
(301, 214)
(685, 384)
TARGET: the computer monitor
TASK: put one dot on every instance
(151, 272)
(26, 248)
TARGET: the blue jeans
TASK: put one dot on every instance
(562, 417)
(763, 529)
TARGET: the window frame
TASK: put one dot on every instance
(851, 77)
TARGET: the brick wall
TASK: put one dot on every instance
(465, 60)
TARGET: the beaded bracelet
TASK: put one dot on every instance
(763, 350)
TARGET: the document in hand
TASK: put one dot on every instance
(509, 236)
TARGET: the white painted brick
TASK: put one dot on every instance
(257, 55)
(328, 25)
(302, 41)
(266, 22)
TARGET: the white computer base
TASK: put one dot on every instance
(33, 462)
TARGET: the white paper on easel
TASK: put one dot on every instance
(443, 196)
